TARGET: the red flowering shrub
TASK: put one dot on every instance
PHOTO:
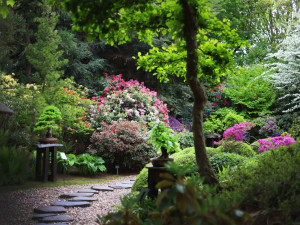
(122, 143)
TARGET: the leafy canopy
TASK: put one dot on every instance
(120, 21)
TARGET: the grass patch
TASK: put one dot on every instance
(64, 180)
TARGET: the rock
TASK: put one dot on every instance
(88, 199)
(50, 209)
(37, 216)
(100, 188)
(72, 204)
(58, 218)
(88, 191)
(71, 195)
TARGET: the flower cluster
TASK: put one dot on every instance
(124, 144)
(275, 142)
(129, 100)
(236, 132)
(176, 125)
(268, 129)
(217, 96)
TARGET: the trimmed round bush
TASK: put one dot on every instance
(237, 147)
(223, 159)
(183, 157)
(123, 143)
(141, 180)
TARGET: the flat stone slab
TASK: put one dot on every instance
(50, 209)
(71, 195)
(88, 191)
(38, 216)
(72, 204)
(132, 179)
(122, 186)
(58, 218)
(100, 188)
(52, 223)
(88, 199)
(128, 182)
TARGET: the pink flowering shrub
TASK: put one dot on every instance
(275, 142)
(236, 132)
(269, 128)
(122, 143)
(128, 100)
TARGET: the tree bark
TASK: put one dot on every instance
(200, 97)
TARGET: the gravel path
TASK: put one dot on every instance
(16, 208)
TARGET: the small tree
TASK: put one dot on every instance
(48, 119)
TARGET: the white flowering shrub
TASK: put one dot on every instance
(284, 73)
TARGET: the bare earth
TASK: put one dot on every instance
(16, 208)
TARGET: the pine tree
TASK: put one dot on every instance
(284, 73)
(44, 54)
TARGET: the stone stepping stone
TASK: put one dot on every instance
(72, 204)
(132, 179)
(128, 182)
(50, 209)
(38, 216)
(52, 224)
(100, 188)
(88, 199)
(58, 218)
(88, 191)
(122, 186)
(71, 195)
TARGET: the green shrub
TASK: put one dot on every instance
(237, 147)
(183, 157)
(15, 163)
(182, 202)
(218, 161)
(185, 139)
(231, 119)
(215, 123)
(141, 181)
(270, 181)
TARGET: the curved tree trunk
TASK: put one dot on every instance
(200, 97)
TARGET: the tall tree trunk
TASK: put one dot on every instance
(200, 97)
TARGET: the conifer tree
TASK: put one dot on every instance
(44, 54)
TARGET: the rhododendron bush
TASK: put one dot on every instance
(122, 143)
(129, 100)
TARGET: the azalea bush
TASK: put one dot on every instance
(122, 143)
(128, 100)
(275, 142)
